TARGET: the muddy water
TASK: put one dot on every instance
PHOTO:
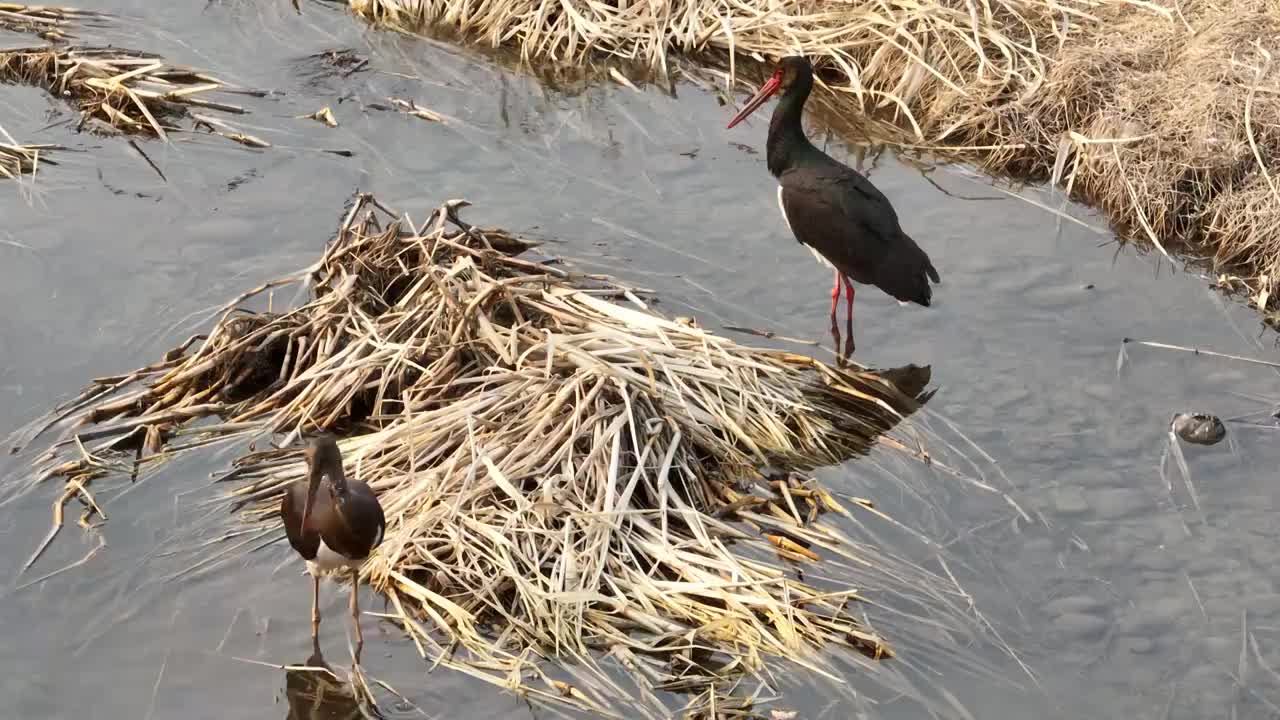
(1126, 597)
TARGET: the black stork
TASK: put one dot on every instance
(332, 525)
(832, 209)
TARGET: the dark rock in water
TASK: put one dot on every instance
(1199, 428)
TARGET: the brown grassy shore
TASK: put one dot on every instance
(1162, 113)
(567, 475)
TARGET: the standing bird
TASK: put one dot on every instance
(332, 525)
(831, 208)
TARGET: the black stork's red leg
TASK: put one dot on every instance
(848, 318)
(835, 296)
(835, 307)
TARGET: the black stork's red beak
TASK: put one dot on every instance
(766, 91)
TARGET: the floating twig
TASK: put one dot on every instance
(323, 115)
(1200, 351)
(409, 107)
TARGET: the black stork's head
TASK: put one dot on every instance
(323, 460)
(793, 76)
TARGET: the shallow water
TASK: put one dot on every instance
(1125, 601)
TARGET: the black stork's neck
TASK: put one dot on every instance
(787, 144)
(326, 460)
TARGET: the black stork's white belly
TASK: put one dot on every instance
(327, 560)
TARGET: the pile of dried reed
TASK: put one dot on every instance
(50, 23)
(17, 159)
(565, 473)
(122, 90)
(1162, 112)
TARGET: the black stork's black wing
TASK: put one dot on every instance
(305, 540)
(359, 522)
(841, 215)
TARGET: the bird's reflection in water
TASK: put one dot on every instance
(314, 692)
(911, 381)
(900, 392)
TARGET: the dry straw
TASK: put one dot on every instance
(1161, 112)
(566, 474)
(121, 90)
(17, 159)
(50, 23)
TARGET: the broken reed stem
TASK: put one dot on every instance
(124, 90)
(1155, 111)
(564, 472)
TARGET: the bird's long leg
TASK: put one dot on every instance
(315, 610)
(317, 657)
(835, 296)
(355, 611)
(835, 305)
(848, 318)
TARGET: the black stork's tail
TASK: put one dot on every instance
(905, 273)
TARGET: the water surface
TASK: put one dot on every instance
(1123, 599)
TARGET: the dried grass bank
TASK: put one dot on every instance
(567, 475)
(1160, 112)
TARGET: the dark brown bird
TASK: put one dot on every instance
(832, 209)
(332, 525)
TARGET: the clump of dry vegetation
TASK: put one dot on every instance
(17, 159)
(121, 90)
(566, 474)
(1161, 112)
(50, 23)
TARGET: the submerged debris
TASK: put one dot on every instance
(125, 90)
(565, 473)
(1199, 428)
(318, 68)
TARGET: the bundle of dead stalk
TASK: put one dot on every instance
(123, 90)
(1160, 112)
(566, 474)
(17, 159)
(50, 23)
